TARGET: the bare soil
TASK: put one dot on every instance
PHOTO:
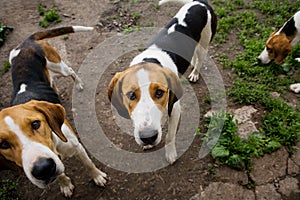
(182, 180)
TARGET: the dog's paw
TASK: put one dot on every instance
(295, 87)
(100, 178)
(79, 85)
(171, 154)
(194, 77)
(67, 190)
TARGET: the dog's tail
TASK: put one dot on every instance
(59, 31)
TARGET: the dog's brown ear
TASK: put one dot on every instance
(175, 88)
(115, 95)
(55, 116)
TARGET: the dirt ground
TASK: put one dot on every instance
(186, 177)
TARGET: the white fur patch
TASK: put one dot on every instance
(146, 114)
(23, 87)
(264, 57)
(155, 52)
(82, 28)
(13, 53)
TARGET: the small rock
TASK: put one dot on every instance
(226, 174)
(267, 191)
(244, 114)
(289, 186)
(246, 128)
(219, 190)
(269, 167)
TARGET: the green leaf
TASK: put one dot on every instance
(219, 152)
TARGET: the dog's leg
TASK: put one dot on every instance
(171, 154)
(200, 52)
(66, 186)
(98, 176)
(64, 70)
(197, 61)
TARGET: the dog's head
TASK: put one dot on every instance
(26, 139)
(142, 93)
(277, 48)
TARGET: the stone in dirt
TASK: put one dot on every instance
(269, 167)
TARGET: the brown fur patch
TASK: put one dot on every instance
(278, 47)
(50, 53)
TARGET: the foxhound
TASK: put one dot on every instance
(151, 85)
(34, 132)
(280, 44)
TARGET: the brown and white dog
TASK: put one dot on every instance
(151, 84)
(280, 44)
(34, 132)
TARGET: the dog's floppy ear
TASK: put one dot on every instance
(115, 95)
(175, 88)
(55, 116)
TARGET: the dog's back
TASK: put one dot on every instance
(30, 76)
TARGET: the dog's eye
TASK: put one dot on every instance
(159, 93)
(4, 145)
(131, 95)
(36, 124)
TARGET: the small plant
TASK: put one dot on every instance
(3, 32)
(65, 37)
(232, 150)
(49, 17)
(6, 66)
(129, 29)
(41, 9)
(8, 190)
(135, 15)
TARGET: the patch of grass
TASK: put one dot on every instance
(252, 22)
(8, 190)
(3, 32)
(6, 66)
(136, 15)
(233, 150)
(49, 17)
(41, 9)
(129, 29)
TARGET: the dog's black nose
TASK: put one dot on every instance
(44, 169)
(148, 136)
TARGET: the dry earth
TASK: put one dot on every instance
(276, 176)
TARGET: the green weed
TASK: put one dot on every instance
(49, 17)
(3, 32)
(6, 66)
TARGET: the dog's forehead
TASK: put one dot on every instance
(144, 76)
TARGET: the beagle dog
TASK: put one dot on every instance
(280, 44)
(151, 85)
(34, 132)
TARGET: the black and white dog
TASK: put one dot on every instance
(151, 85)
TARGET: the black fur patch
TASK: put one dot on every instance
(289, 28)
(29, 68)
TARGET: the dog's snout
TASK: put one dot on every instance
(44, 169)
(148, 136)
